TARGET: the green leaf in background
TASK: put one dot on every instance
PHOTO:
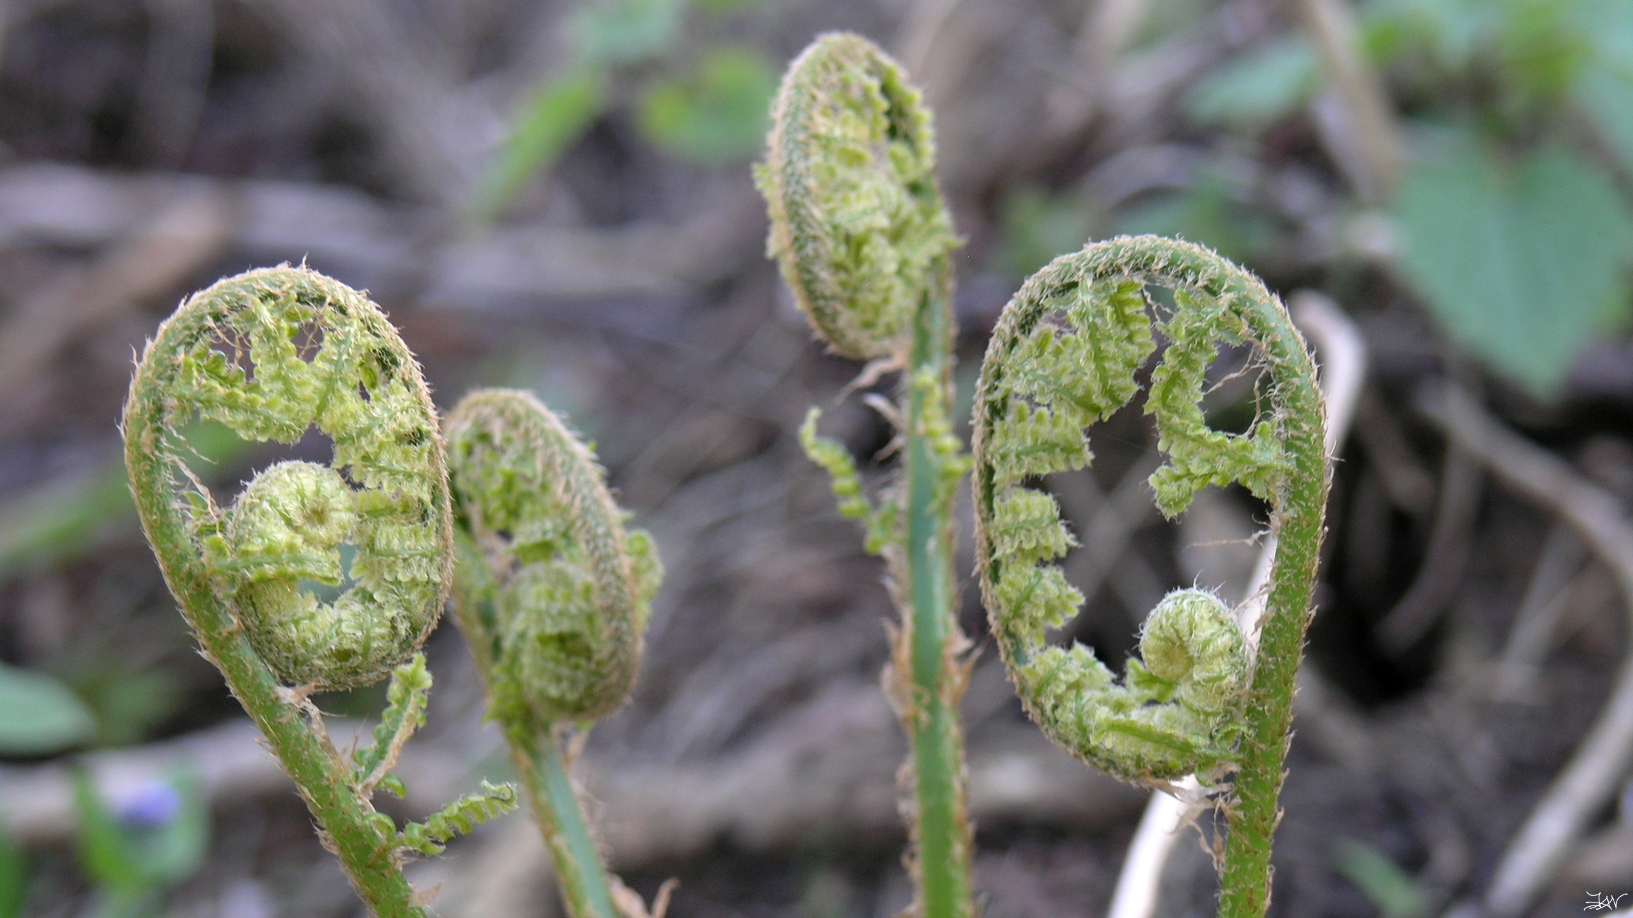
(554, 117)
(1259, 87)
(127, 703)
(13, 878)
(39, 715)
(1451, 31)
(607, 32)
(1604, 89)
(717, 114)
(1525, 265)
(67, 520)
(1607, 98)
(727, 6)
(1380, 879)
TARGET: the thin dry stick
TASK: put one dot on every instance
(1377, 152)
(1553, 581)
(1343, 368)
(1590, 779)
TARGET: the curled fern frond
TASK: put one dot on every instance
(857, 222)
(270, 354)
(1065, 355)
(551, 590)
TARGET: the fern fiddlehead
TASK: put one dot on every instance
(1064, 355)
(269, 354)
(552, 593)
(863, 239)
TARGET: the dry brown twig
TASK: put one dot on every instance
(1584, 786)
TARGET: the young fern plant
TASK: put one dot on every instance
(1065, 355)
(270, 354)
(864, 241)
(552, 593)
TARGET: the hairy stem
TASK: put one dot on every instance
(863, 239)
(584, 883)
(235, 570)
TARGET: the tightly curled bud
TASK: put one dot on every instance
(550, 589)
(319, 353)
(857, 223)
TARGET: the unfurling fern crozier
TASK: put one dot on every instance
(552, 593)
(1064, 355)
(271, 354)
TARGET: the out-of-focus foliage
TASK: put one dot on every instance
(1519, 245)
(556, 115)
(1513, 234)
(157, 839)
(13, 878)
(1259, 87)
(1038, 226)
(40, 715)
(1524, 261)
(713, 114)
(1206, 212)
(126, 703)
(1380, 879)
(718, 113)
(65, 522)
(624, 31)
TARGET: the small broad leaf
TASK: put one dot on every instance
(1524, 265)
(39, 715)
(717, 114)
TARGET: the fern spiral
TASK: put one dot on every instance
(857, 222)
(553, 593)
(553, 589)
(319, 354)
(864, 241)
(1065, 355)
(270, 354)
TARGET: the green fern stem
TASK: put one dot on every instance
(863, 239)
(1064, 355)
(933, 638)
(237, 571)
(584, 882)
(552, 593)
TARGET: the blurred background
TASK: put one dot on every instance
(556, 196)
